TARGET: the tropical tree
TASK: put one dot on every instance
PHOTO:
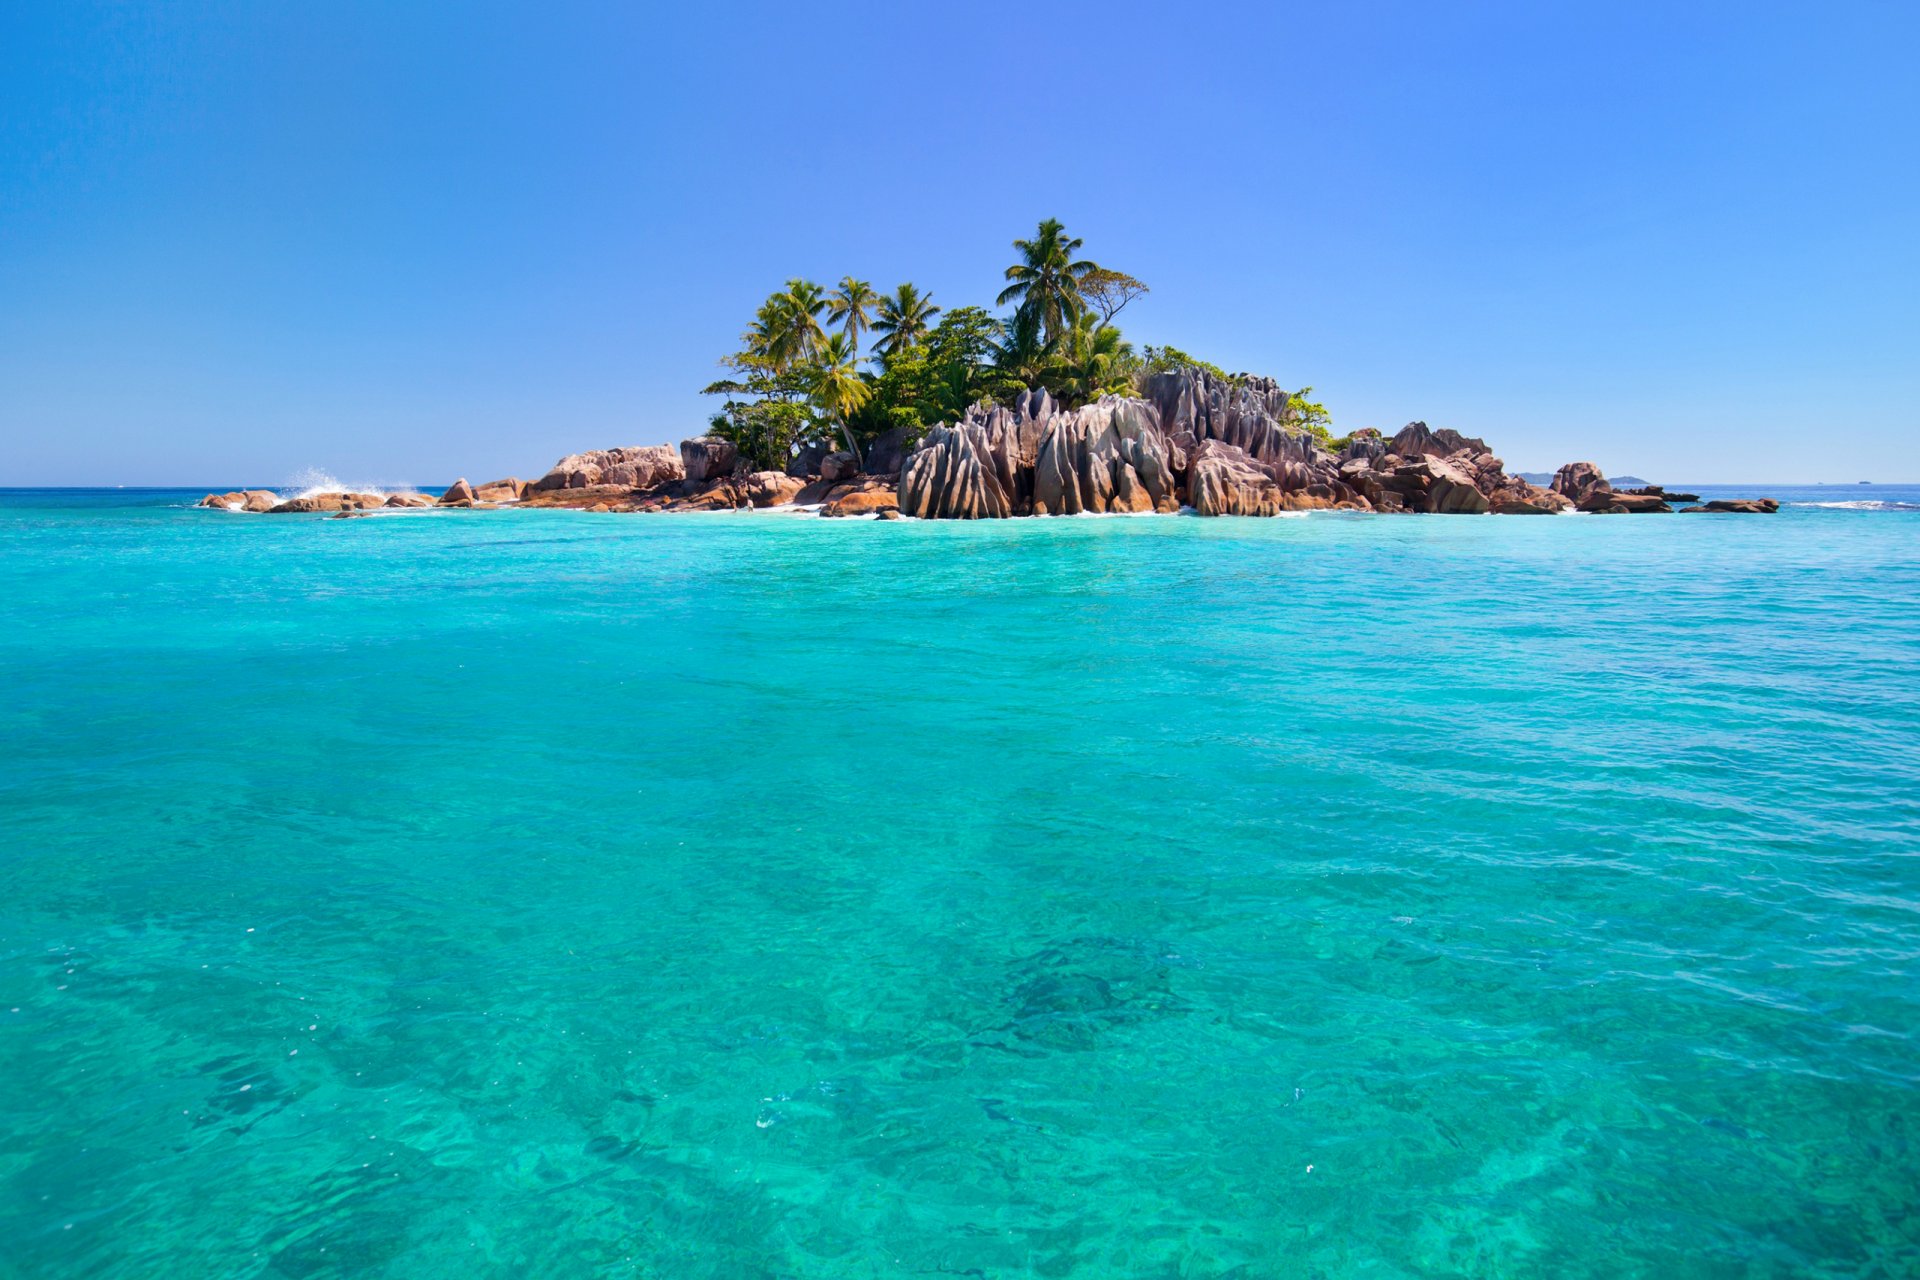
(838, 388)
(1046, 280)
(1093, 360)
(1108, 292)
(848, 306)
(786, 329)
(903, 319)
(1022, 351)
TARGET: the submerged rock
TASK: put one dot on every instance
(1734, 506)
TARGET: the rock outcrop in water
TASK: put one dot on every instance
(1217, 446)
(632, 467)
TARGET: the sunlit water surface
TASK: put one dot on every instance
(549, 894)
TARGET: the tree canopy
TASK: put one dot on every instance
(797, 378)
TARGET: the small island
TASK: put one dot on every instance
(1046, 411)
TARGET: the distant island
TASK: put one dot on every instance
(1046, 411)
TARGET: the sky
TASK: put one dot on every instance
(402, 242)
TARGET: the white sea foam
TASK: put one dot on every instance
(311, 482)
(1861, 504)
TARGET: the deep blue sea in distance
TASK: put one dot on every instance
(551, 894)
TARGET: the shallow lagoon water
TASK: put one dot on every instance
(553, 894)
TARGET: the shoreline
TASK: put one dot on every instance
(1189, 441)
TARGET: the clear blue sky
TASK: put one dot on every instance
(401, 242)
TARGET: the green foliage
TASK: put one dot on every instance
(765, 431)
(1312, 418)
(1108, 292)
(795, 382)
(1161, 359)
(1092, 360)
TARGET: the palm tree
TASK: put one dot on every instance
(786, 329)
(1022, 351)
(838, 388)
(1046, 280)
(849, 305)
(1094, 359)
(904, 319)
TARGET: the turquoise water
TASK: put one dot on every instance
(549, 894)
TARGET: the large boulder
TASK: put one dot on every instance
(1613, 502)
(709, 495)
(630, 467)
(887, 454)
(508, 490)
(409, 500)
(255, 500)
(329, 502)
(1450, 489)
(706, 458)
(865, 496)
(806, 463)
(458, 491)
(839, 465)
(1416, 440)
(1578, 480)
(1519, 497)
(769, 488)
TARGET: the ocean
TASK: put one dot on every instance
(554, 894)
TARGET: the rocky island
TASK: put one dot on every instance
(1045, 411)
(1193, 441)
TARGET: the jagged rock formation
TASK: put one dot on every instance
(1221, 446)
(1224, 480)
(635, 467)
(1109, 456)
(952, 476)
